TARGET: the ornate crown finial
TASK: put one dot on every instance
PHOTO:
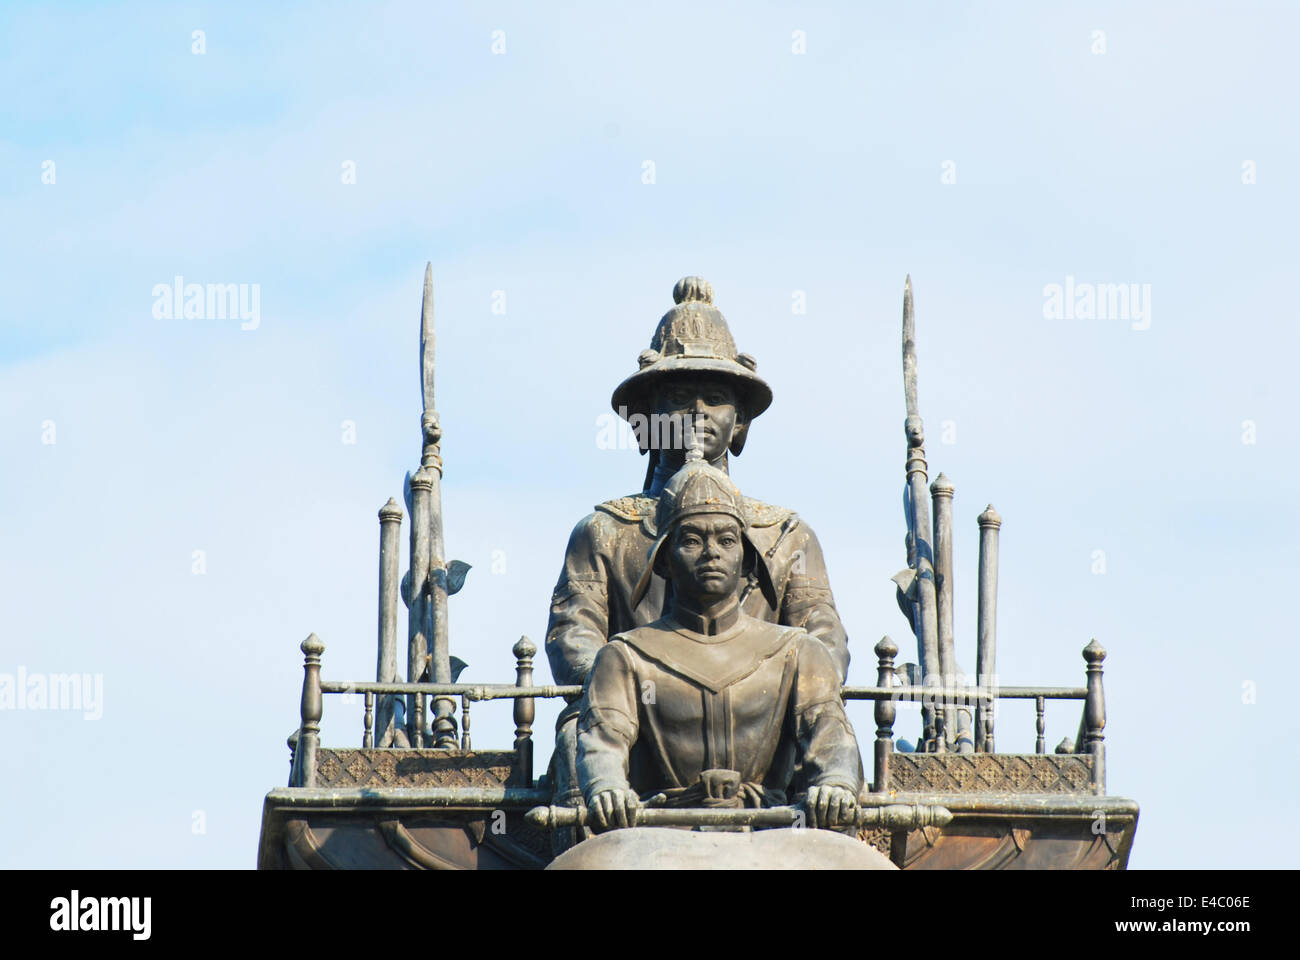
(692, 290)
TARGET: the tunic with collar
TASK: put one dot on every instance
(671, 705)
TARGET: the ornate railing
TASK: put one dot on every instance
(524, 692)
(304, 746)
(1090, 739)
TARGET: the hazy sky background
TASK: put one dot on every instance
(522, 172)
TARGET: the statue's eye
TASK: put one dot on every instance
(727, 541)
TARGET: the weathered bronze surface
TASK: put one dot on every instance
(401, 828)
(694, 632)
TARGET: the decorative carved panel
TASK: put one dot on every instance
(878, 837)
(413, 768)
(991, 773)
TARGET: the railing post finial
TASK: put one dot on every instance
(886, 712)
(309, 738)
(1094, 715)
(525, 709)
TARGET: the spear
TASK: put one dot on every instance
(921, 553)
(435, 610)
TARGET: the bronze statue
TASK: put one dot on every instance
(708, 706)
(716, 706)
(691, 382)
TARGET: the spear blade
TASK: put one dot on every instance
(427, 341)
(909, 350)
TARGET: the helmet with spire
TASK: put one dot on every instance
(698, 488)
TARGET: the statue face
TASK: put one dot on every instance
(709, 404)
(705, 555)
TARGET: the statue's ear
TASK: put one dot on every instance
(660, 565)
(739, 433)
(650, 468)
(638, 421)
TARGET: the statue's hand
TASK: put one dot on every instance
(830, 807)
(612, 809)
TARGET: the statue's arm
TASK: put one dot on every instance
(807, 602)
(828, 748)
(579, 620)
(607, 730)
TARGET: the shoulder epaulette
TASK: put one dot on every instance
(765, 514)
(633, 508)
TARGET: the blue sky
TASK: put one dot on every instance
(522, 172)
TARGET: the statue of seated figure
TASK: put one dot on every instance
(708, 706)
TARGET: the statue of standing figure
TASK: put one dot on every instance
(692, 381)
